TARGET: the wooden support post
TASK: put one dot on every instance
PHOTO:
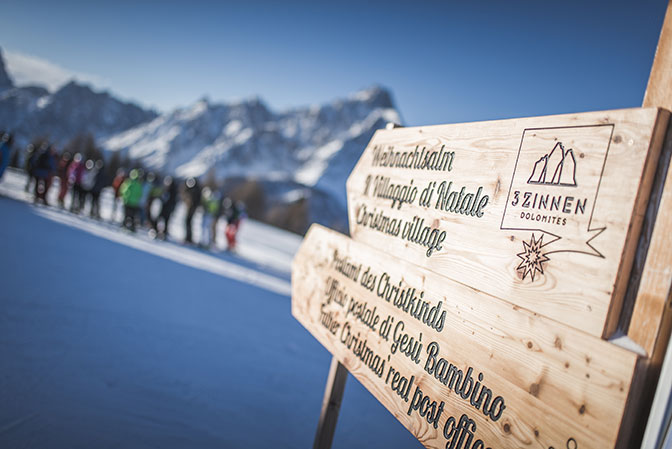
(650, 322)
(331, 405)
(651, 318)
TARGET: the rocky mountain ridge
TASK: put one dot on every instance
(74, 109)
(297, 159)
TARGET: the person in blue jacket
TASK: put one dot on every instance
(6, 140)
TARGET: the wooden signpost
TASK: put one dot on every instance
(451, 362)
(538, 211)
(489, 267)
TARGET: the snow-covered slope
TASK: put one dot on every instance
(266, 252)
(312, 149)
(110, 339)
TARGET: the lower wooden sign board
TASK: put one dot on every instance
(542, 211)
(457, 367)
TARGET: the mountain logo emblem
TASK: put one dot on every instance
(557, 168)
(546, 207)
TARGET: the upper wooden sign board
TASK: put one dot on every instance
(542, 212)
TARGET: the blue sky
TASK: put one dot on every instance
(445, 62)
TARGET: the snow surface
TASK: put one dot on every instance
(114, 340)
(259, 244)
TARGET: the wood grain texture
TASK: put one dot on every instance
(659, 90)
(556, 383)
(578, 247)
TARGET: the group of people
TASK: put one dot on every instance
(215, 207)
(83, 179)
(148, 202)
(139, 193)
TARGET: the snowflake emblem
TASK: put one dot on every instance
(532, 257)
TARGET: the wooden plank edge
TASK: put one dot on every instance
(634, 421)
(641, 228)
(651, 278)
(658, 90)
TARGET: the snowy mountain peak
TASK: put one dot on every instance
(195, 110)
(74, 109)
(312, 148)
(5, 80)
(376, 96)
(245, 138)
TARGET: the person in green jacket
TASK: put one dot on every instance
(210, 203)
(131, 194)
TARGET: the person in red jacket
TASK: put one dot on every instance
(118, 180)
(234, 212)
